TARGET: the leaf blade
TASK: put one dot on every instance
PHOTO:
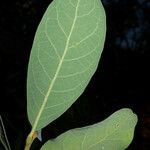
(63, 58)
(114, 133)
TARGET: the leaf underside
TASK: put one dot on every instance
(65, 54)
(114, 133)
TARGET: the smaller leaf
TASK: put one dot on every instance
(114, 133)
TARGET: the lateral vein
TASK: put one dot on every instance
(56, 73)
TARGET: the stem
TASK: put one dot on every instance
(5, 135)
(30, 139)
(4, 145)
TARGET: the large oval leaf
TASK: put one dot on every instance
(64, 56)
(114, 133)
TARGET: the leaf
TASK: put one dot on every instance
(65, 54)
(114, 133)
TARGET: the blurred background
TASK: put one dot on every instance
(121, 80)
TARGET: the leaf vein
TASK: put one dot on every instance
(41, 92)
(43, 68)
(59, 24)
(49, 39)
(84, 56)
(68, 90)
(87, 37)
(106, 136)
(38, 117)
(77, 73)
(87, 14)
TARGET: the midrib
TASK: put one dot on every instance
(56, 73)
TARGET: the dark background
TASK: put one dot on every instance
(121, 80)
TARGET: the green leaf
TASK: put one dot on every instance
(65, 54)
(114, 133)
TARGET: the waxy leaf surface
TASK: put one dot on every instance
(65, 54)
(114, 133)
